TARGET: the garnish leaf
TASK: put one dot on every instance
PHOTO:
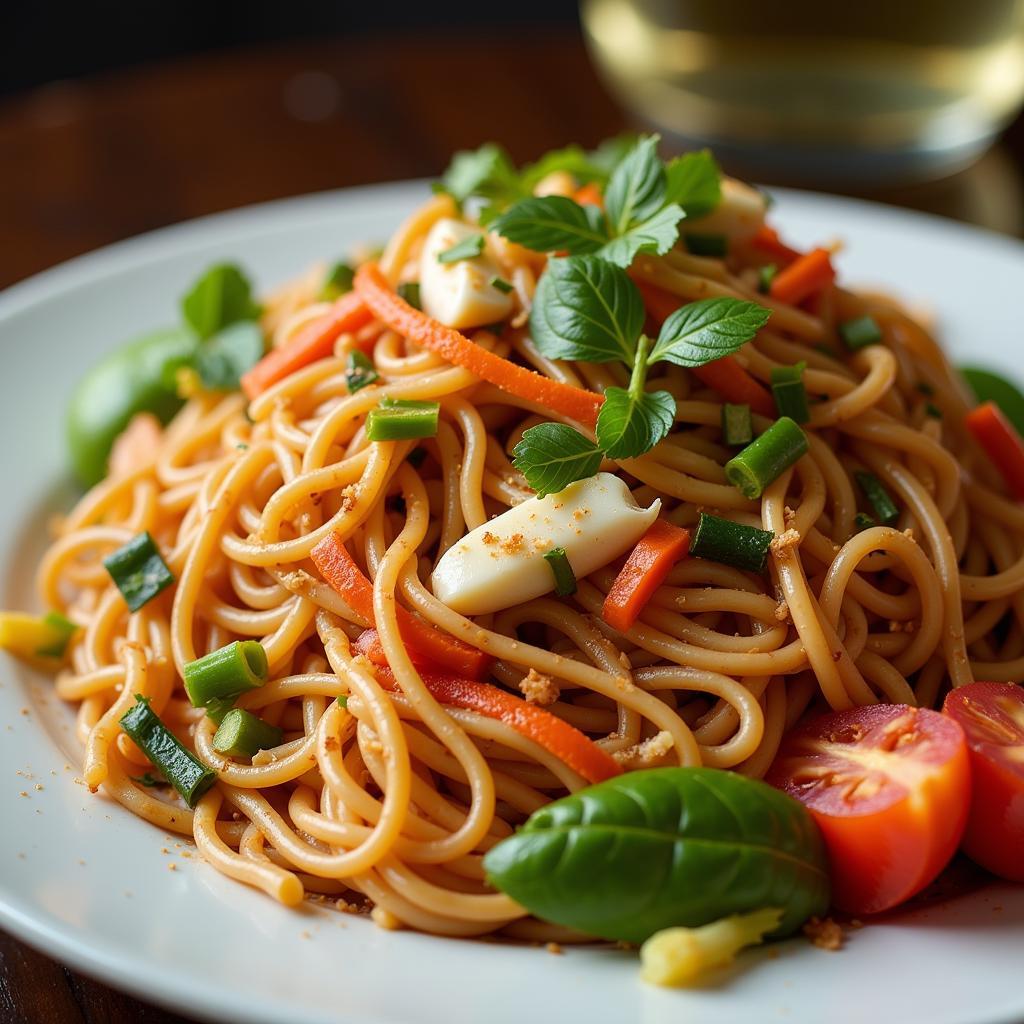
(586, 308)
(337, 282)
(708, 329)
(572, 159)
(630, 424)
(636, 189)
(550, 223)
(485, 172)
(694, 181)
(222, 360)
(657, 234)
(551, 456)
(221, 297)
(988, 386)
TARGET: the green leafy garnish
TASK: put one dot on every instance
(991, 387)
(221, 297)
(337, 282)
(551, 223)
(631, 423)
(636, 190)
(222, 360)
(551, 456)
(708, 329)
(469, 247)
(694, 181)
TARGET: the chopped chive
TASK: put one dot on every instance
(410, 292)
(63, 630)
(241, 734)
(416, 457)
(149, 780)
(342, 700)
(464, 250)
(863, 521)
(735, 544)
(767, 458)
(565, 578)
(226, 673)
(706, 245)
(397, 419)
(925, 388)
(860, 333)
(139, 571)
(765, 276)
(881, 501)
(933, 410)
(337, 282)
(790, 393)
(180, 767)
(502, 285)
(359, 371)
(737, 426)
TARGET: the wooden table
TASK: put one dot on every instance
(89, 162)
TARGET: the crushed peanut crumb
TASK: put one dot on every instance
(554, 947)
(539, 689)
(824, 933)
(785, 540)
(781, 611)
(646, 753)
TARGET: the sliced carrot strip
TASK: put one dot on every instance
(565, 741)
(768, 241)
(456, 348)
(339, 569)
(645, 570)
(1003, 445)
(369, 646)
(803, 278)
(314, 341)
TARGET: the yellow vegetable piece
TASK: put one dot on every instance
(682, 956)
(35, 636)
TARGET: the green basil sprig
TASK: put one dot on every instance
(663, 848)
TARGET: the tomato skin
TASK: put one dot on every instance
(889, 787)
(995, 828)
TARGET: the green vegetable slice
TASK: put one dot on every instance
(663, 848)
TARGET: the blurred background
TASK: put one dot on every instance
(117, 118)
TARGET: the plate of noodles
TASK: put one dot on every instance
(589, 589)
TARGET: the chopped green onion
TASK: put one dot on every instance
(399, 419)
(565, 578)
(464, 250)
(337, 282)
(706, 245)
(64, 629)
(180, 767)
(342, 700)
(790, 393)
(735, 544)
(860, 333)
(139, 571)
(149, 780)
(416, 457)
(933, 410)
(864, 521)
(410, 292)
(765, 276)
(502, 285)
(737, 427)
(225, 673)
(767, 458)
(359, 371)
(218, 707)
(241, 734)
(880, 499)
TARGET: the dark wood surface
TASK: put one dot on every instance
(86, 163)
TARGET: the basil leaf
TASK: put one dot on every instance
(572, 159)
(486, 172)
(550, 223)
(611, 152)
(708, 329)
(221, 297)
(221, 361)
(990, 387)
(657, 234)
(629, 425)
(662, 848)
(551, 456)
(636, 189)
(585, 308)
(694, 181)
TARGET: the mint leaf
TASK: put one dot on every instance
(551, 456)
(630, 424)
(694, 181)
(708, 329)
(636, 189)
(572, 159)
(550, 223)
(221, 361)
(657, 234)
(485, 172)
(586, 308)
(221, 297)
(611, 152)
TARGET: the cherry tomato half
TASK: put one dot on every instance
(888, 786)
(992, 717)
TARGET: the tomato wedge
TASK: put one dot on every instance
(889, 787)
(992, 717)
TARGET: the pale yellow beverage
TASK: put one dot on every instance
(877, 89)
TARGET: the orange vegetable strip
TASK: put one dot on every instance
(724, 375)
(1003, 445)
(645, 570)
(767, 240)
(314, 341)
(369, 646)
(571, 402)
(589, 194)
(803, 277)
(339, 569)
(565, 741)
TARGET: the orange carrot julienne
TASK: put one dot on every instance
(768, 241)
(565, 741)
(1003, 445)
(369, 646)
(339, 569)
(312, 342)
(803, 277)
(645, 570)
(571, 402)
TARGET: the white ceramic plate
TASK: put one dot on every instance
(91, 885)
